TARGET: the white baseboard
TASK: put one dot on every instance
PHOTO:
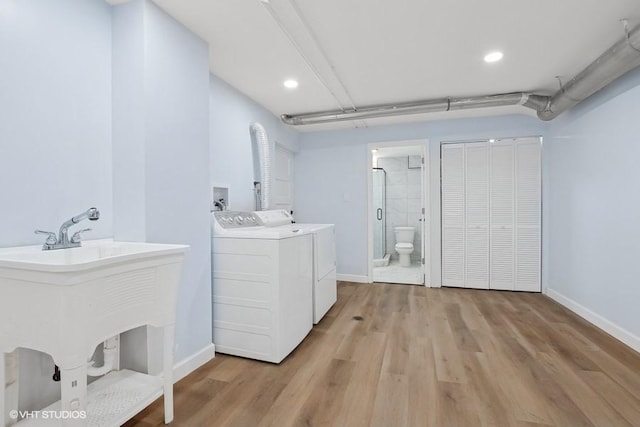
(193, 362)
(352, 278)
(606, 325)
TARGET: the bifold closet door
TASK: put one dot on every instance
(453, 215)
(515, 235)
(476, 215)
(491, 201)
(502, 236)
(528, 211)
(465, 215)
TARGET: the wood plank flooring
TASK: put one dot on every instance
(424, 357)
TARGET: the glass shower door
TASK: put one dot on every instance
(379, 213)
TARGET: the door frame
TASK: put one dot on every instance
(426, 220)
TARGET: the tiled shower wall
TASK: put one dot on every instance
(403, 200)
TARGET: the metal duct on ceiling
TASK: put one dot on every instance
(616, 61)
(434, 105)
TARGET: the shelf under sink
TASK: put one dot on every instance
(111, 400)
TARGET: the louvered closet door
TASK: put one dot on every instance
(477, 215)
(527, 213)
(453, 215)
(502, 253)
(491, 204)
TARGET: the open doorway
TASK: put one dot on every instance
(397, 212)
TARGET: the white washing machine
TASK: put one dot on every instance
(325, 291)
(262, 287)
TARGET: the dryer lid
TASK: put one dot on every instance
(274, 218)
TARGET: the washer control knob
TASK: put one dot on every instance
(239, 220)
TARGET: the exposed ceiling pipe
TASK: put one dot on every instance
(616, 61)
(535, 102)
(295, 27)
(619, 59)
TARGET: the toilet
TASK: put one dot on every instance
(404, 244)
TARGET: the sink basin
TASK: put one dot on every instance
(93, 254)
(65, 302)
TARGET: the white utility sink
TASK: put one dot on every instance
(92, 255)
(65, 302)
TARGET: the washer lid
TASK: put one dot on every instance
(269, 233)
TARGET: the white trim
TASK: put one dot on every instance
(606, 325)
(369, 214)
(426, 214)
(352, 278)
(193, 362)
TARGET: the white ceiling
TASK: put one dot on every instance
(392, 51)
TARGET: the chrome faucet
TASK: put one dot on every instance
(62, 240)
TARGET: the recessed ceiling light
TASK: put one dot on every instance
(493, 56)
(290, 84)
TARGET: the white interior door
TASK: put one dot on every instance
(423, 218)
(283, 179)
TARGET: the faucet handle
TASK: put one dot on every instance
(77, 236)
(51, 237)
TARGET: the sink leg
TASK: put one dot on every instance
(73, 383)
(8, 387)
(5, 417)
(169, 337)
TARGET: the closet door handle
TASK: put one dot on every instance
(379, 214)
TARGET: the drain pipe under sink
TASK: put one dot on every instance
(110, 349)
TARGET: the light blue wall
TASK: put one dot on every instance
(331, 177)
(55, 133)
(129, 148)
(231, 159)
(58, 157)
(177, 181)
(593, 221)
(161, 152)
(55, 116)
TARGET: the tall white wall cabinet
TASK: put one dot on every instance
(491, 214)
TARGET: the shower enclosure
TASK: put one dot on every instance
(379, 216)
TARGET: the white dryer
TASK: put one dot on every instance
(262, 287)
(325, 291)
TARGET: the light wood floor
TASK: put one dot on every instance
(424, 357)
